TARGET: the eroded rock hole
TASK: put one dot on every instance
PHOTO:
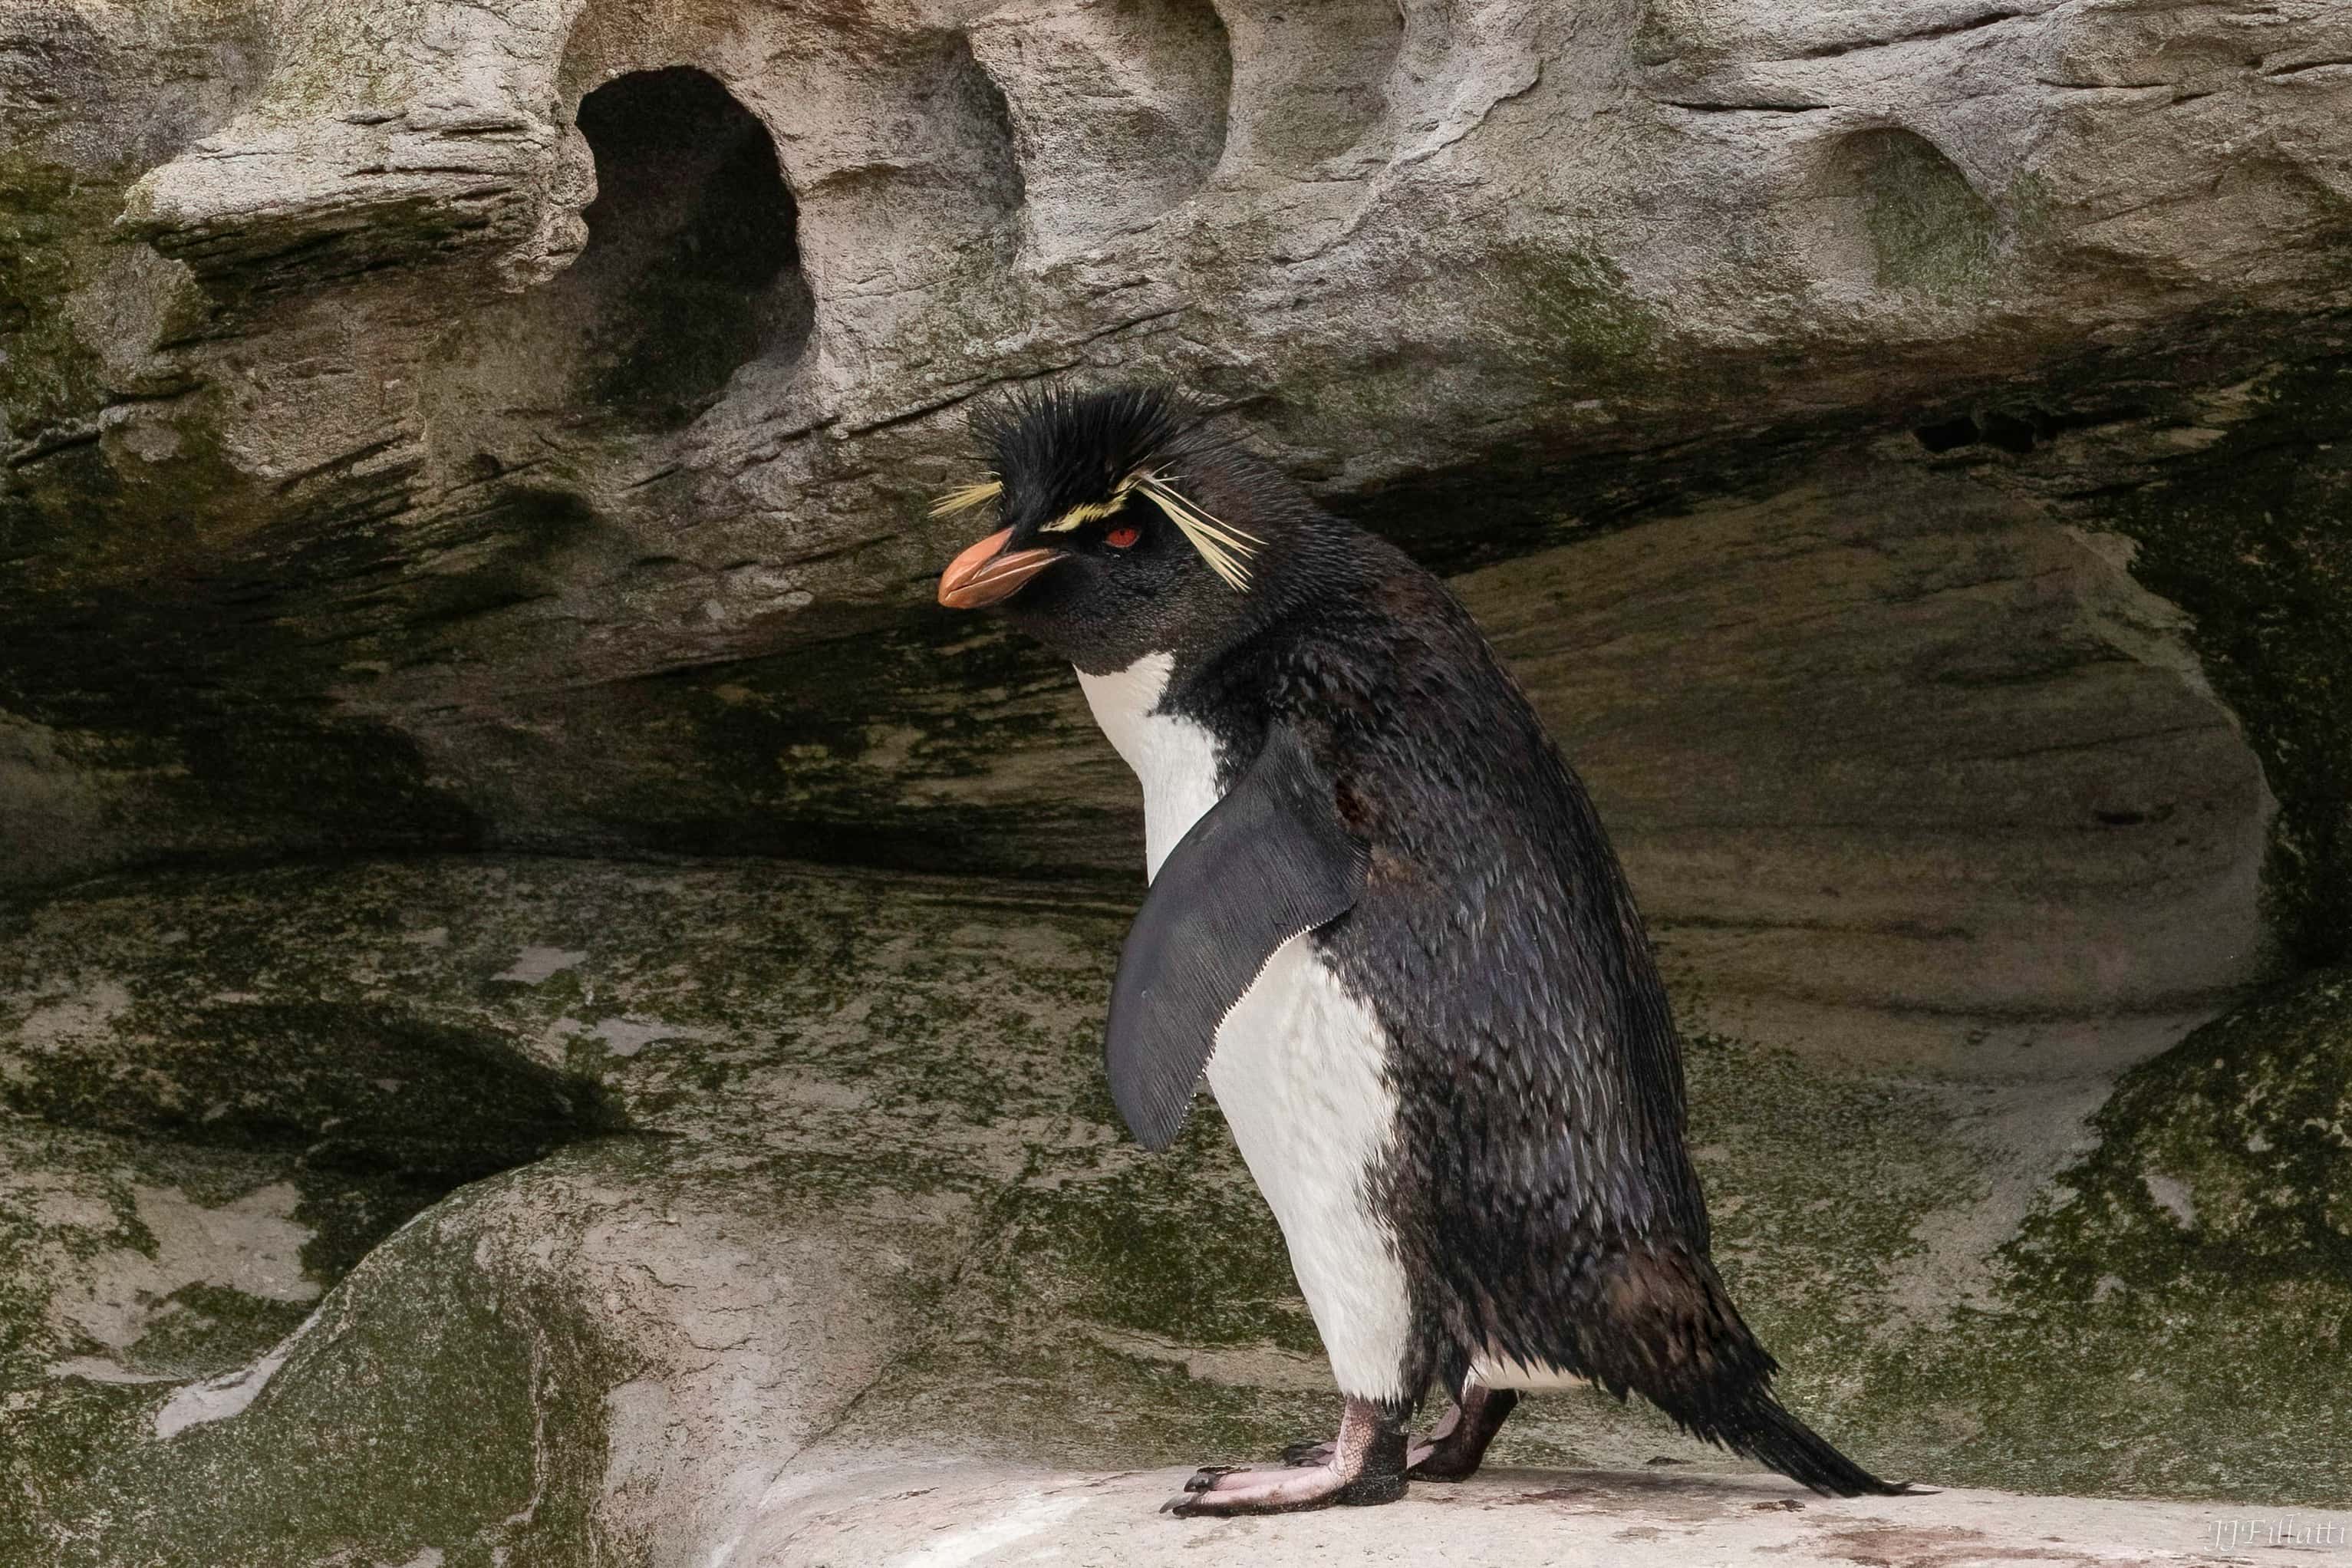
(1119, 111)
(1948, 435)
(2010, 432)
(1310, 81)
(1909, 222)
(2015, 433)
(692, 260)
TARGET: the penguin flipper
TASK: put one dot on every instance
(1270, 861)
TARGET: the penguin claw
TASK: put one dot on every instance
(1286, 1490)
(1367, 1466)
(1307, 1453)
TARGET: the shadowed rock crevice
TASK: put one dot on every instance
(368, 1110)
(2253, 543)
(692, 265)
(1902, 771)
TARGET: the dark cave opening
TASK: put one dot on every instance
(692, 253)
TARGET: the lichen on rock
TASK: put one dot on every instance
(871, 1194)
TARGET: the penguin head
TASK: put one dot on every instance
(1128, 528)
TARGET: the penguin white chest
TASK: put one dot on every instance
(1300, 1068)
(1301, 1073)
(1174, 759)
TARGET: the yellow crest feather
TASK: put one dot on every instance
(1225, 548)
(963, 498)
(1090, 512)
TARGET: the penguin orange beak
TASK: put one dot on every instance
(983, 575)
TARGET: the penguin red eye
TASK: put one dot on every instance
(1123, 537)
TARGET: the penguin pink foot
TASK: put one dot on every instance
(1366, 1466)
(1455, 1447)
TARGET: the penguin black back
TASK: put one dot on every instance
(1556, 1220)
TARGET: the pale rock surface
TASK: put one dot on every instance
(840, 1256)
(940, 1516)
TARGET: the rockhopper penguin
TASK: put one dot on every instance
(1384, 920)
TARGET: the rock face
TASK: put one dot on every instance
(836, 1187)
(1899, 446)
(428, 423)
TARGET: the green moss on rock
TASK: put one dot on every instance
(1816, 1182)
(204, 1329)
(2172, 1318)
(814, 1043)
(373, 1112)
(1177, 1246)
(1569, 315)
(1930, 232)
(52, 224)
(428, 1408)
(2225, 1162)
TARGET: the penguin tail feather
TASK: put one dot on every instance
(1762, 1429)
(1713, 1379)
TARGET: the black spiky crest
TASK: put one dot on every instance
(1064, 457)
